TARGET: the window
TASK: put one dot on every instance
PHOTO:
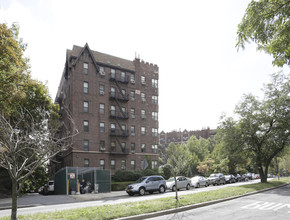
(123, 110)
(143, 148)
(154, 99)
(113, 146)
(86, 163)
(132, 95)
(123, 127)
(132, 113)
(102, 127)
(123, 76)
(143, 131)
(113, 92)
(123, 164)
(102, 108)
(86, 68)
(113, 73)
(102, 89)
(113, 164)
(132, 130)
(132, 164)
(143, 97)
(154, 148)
(86, 145)
(102, 71)
(86, 106)
(133, 148)
(154, 164)
(102, 164)
(123, 146)
(113, 110)
(86, 87)
(154, 132)
(143, 81)
(132, 78)
(154, 83)
(113, 128)
(102, 146)
(143, 114)
(154, 116)
(86, 126)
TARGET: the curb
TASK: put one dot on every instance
(189, 207)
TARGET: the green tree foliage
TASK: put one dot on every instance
(263, 125)
(199, 147)
(178, 158)
(267, 23)
(228, 151)
(28, 118)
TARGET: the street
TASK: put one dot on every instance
(38, 203)
(273, 204)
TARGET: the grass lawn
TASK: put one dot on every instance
(136, 208)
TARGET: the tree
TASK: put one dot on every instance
(27, 143)
(267, 23)
(264, 124)
(228, 149)
(178, 157)
(30, 132)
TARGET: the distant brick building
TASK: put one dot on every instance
(114, 104)
(182, 136)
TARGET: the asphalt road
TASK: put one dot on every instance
(37, 203)
(269, 205)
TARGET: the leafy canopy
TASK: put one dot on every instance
(267, 23)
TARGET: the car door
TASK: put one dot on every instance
(150, 183)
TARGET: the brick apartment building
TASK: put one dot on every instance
(114, 105)
(182, 136)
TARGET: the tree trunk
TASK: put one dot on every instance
(263, 175)
(14, 200)
(176, 191)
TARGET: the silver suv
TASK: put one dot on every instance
(147, 184)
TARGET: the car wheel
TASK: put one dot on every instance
(142, 191)
(161, 189)
(206, 184)
(187, 187)
(173, 188)
(197, 185)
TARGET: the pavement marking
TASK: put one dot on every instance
(266, 206)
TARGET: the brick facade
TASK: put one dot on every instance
(94, 94)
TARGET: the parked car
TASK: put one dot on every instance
(147, 184)
(249, 175)
(48, 188)
(238, 178)
(230, 178)
(182, 182)
(216, 179)
(198, 181)
(244, 177)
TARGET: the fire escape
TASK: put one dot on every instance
(119, 115)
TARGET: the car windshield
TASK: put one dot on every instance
(170, 179)
(140, 180)
(213, 175)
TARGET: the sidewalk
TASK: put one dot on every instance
(35, 199)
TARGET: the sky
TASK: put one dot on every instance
(202, 75)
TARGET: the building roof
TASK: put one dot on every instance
(102, 58)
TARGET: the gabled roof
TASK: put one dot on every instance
(102, 58)
(86, 47)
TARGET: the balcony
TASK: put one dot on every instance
(119, 97)
(114, 150)
(119, 133)
(124, 80)
(118, 115)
